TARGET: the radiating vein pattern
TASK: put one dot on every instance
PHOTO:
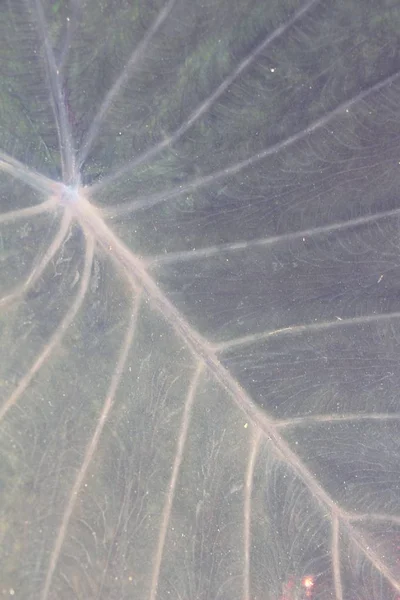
(199, 308)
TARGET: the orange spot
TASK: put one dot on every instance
(308, 582)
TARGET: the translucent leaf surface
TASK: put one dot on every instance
(199, 306)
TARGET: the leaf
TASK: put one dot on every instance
(199, 304)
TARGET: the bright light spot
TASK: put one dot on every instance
(308, 582)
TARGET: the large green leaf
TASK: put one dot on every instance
(199, 306)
